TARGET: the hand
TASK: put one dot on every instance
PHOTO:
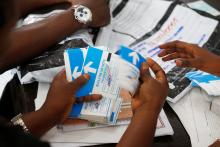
(191, 55)
(100, 11)
(61, 96)
(152, 91)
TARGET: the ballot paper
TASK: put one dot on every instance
(208, 82)
(109, 75)
(173, 22)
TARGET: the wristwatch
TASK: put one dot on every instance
(82, 14)
(17, 120)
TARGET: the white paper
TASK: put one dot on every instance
(136, 19)
(215, 106)
(201, 124)
(70, 144)
(183, 24)
(4, 79)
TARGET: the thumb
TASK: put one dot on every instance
(144, 72)
(79, 82)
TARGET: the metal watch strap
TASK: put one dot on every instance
(17, 120)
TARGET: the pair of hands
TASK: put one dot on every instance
(191, 55)
(100, 11)
(150, 95)
(152, 92)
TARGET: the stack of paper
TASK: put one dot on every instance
(80, 137)
(111, 75)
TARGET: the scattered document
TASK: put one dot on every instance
(194, 112)
(133, 21)
(203, 6)
(173, 22)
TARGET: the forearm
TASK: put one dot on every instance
(141, 129)
(27, 6)
(32, 40)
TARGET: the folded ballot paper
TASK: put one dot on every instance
(110, 74)
(208, 82)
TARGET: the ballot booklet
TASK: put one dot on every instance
(110, 75)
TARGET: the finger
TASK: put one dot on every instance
(144, 72)
(192, 63)
(61, 75)
(94, 97)
(166, 52)
(79, 82)
(158, 71)
(174, 56)
(179, 46)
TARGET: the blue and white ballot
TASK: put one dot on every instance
(131, 56)
(208, 82)
(109, 74)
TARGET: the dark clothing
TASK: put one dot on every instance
(14, 136)
(13, 102)
(17, 99)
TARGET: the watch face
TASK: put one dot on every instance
(83, 14)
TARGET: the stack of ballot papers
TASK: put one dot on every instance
(116, 77)
(208, 82)
(77, 132)
(110, 75)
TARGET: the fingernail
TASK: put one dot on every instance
(178, 62)
(149, 60)
(99, 97)
(86, 76)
